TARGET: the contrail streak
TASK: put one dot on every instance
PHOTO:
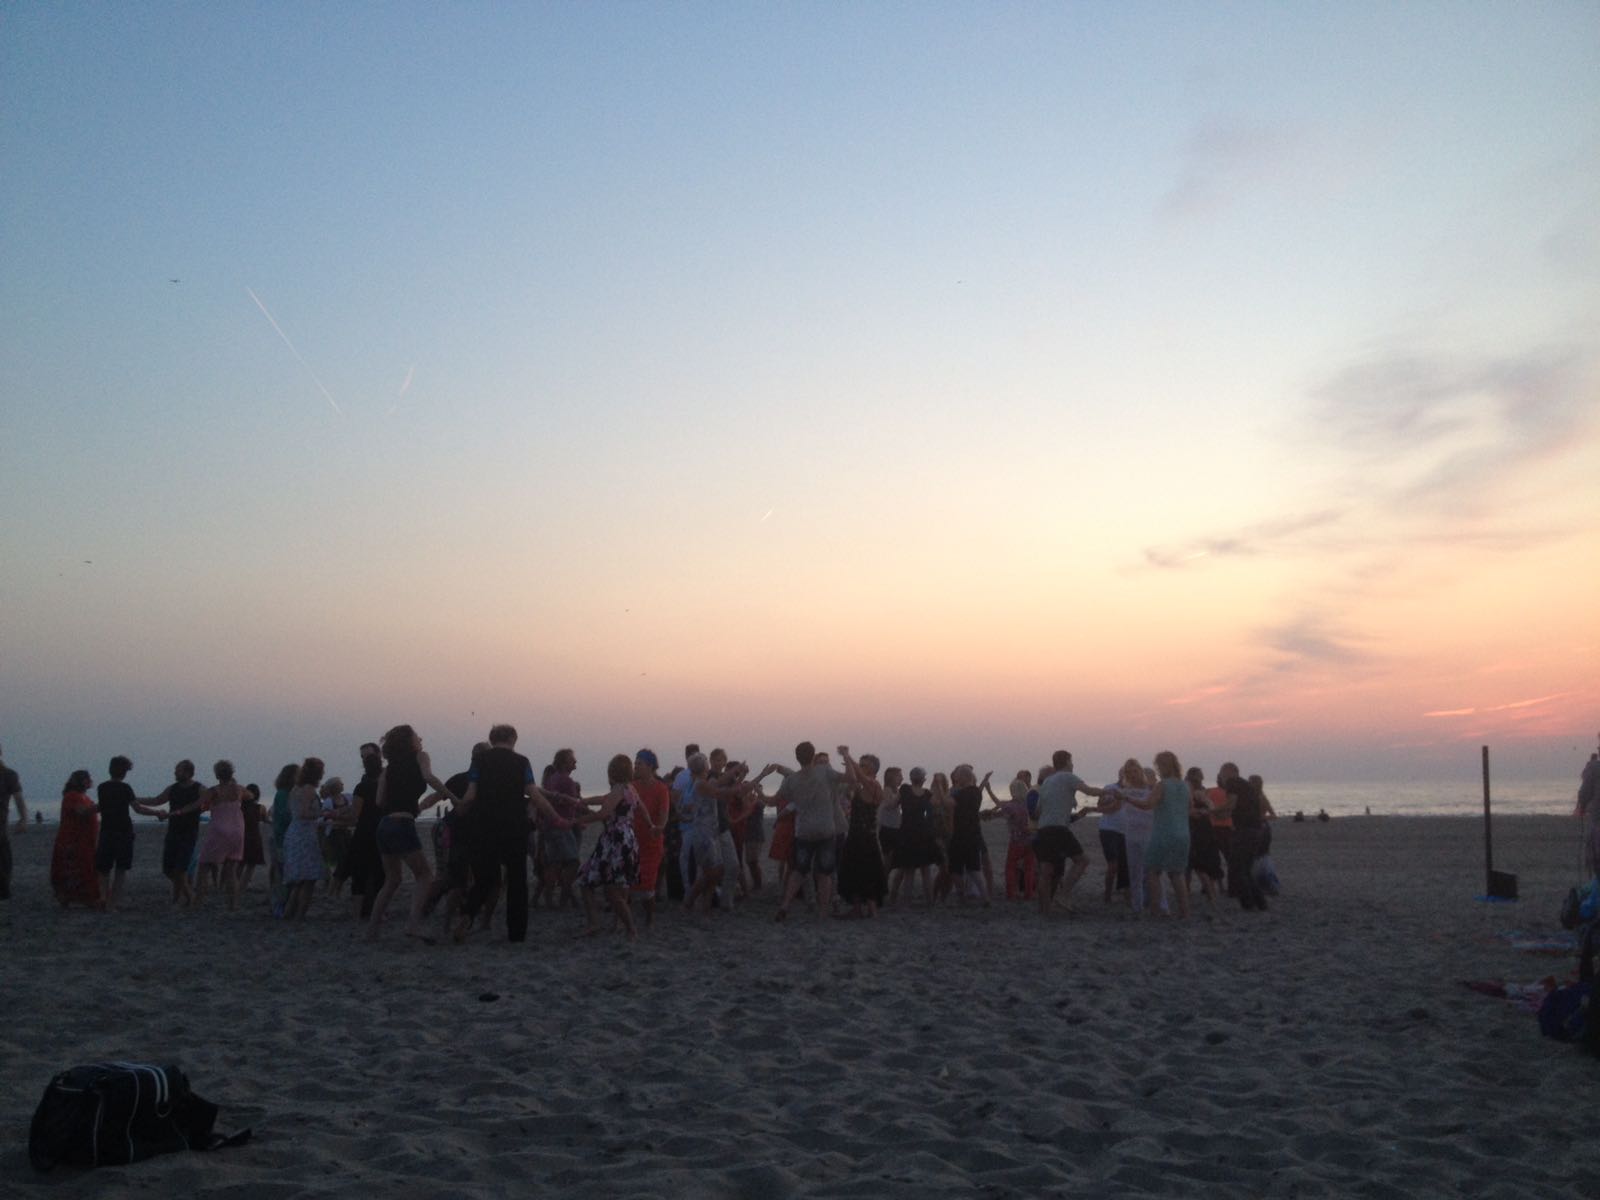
(325, 393)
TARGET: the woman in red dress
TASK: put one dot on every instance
(72, 872)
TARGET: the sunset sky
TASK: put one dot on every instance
(956, 380)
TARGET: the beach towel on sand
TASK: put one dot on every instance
(111, 1113)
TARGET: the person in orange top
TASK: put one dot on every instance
(72, 872)
(649, 827)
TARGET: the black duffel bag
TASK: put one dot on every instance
(111, 1113)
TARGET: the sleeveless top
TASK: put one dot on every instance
(404, 787)
(965, 821)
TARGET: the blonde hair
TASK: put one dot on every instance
(1132, 773)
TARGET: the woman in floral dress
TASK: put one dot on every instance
(614, 862)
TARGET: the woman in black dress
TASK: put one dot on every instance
(1205, 858)
(966, 832)
(862, 883)
(917, 851)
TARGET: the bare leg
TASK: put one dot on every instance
(422, 875)
(391, 883)
(230, 884)
(619, 904)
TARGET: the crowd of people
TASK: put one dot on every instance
(847, 837)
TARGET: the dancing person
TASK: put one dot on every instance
(755, 837)
(613, 865)
(917, 851)
(889, 817)
(704, 839)
(338, 818)
(650, 819)
(282, 818)
(500, 791)
(303, 866)
(1222, 830)
(363, 865)
(1056, 845)
(1587, 811)
(682, 785)
(222, 848)
(811, 791)
(558, 835)
(10, 793)
(1021, 865)
(781, 848)
(863, 883)
(1204, 858)
(1242, 806)
(254, 849)
(181, 799)
(1167, 852)
(966, 832)
(113, 856)
(72, 873)
(943, 827)
(407, 775)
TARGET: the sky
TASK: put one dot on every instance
(957, 381)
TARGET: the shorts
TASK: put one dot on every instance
(397, 837)
(1056, 845)
(560, 847)
(177, 850)
(114, 851)
(820, 855)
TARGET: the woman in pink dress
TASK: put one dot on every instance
(222, 847)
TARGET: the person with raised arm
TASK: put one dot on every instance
(811, 791)
(1056, 846)
(1167, 851)
(917, 850)
(222, 848)
(113, 856)
(863, 884)
(407, 775)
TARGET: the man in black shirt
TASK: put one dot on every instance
(496, 809)
(113, 856)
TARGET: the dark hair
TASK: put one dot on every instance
(254, 789)
(310, 773)
(185, 768)
(503, 733)
(398, 742)
(77, 781)
(690, 750)
(619, 769)
(565, 759)
(286, 777)
(804, 753)
(371, 758)
(1061, 760)
(120, 766)
(716, 750)
(223, 770)
(482, 748)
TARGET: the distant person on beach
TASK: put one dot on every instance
(222, 848)
(254, 847)
(889, 816)
(558, 842)
(1136, 823)
(407, 776)
(282, 818)
(1167, 853)
(613, 864)
(1056, 845)
(72, 873)
(363, 865)
(1242, 805)
(113, 856)
(1022, 868)
(181, 799)
(1205, 859)
(966, 832)
(650, 820)
(303, 866)
(862, 882)
(916, 851)
(811, 792)
(10, 793)
(500, 791)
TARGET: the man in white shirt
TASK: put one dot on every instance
(1058, 799)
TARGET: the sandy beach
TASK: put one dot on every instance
(1323, 1048)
